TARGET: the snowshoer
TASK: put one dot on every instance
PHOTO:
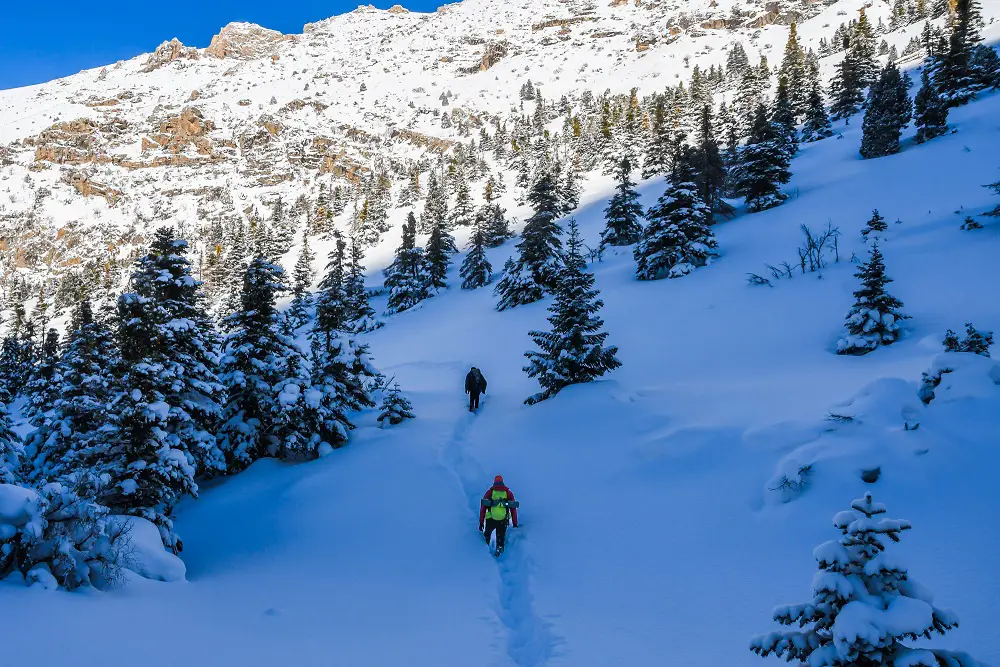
(475, 384)
(494, 513)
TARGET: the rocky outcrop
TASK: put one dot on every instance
(715, 24)
(492, 54)
(176, 134)
(398, 9)
(168, 52)
(552, 23)
(770, 15)
(88, 188)
(246, 41)
(77, 141)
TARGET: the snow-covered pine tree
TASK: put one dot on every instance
(794, 69)
(493, 219)
(889, 111)
(569, 188)
(573, 350)
(171, 398)
(302, 278)
(360, 314)
(10, 450)
(763, 165)
(659, 148)
(624, 212)
(435, 206)
(817, 124)
(257, 365)
(875, 225)
(864, 49)
(437, 257)
(846, 88)
(783, 117)
(331, 300)
(43, 389)
(463, 213)
(476, 270)
(406, 278)
(79, 435)
(975, 341)
(865, 604)
(930, 111)
(875, 318)
(536, 270)
(709, 167)
(395, 408)
(995, 187)
(954, 78)
(677, 238)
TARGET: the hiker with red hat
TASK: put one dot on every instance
(497, 509)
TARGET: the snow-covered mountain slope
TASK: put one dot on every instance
(654, 523)
(203, 138)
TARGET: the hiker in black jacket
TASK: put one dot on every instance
(475, 384)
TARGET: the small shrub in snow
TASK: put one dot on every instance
(875, 318)
(395, 408)
(864, 603)
(976, 342)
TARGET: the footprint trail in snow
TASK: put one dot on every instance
(530, 639)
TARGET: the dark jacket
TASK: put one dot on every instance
(475, 383)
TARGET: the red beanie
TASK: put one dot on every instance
(498, 479)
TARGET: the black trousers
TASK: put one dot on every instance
(473, 400)
(499, 526)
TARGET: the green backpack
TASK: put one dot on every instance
(498, 512)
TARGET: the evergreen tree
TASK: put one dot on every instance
(569, 190)
(476, 269)
(331, 301)
(783, 117)
(817, 123)
(496, 228)
(864, 50)
(79, 435)
(536, 271)
(463, 213)
(435, 206)
(677, 239)
(572, 351)
(874, 319)
(996, 189)
(302, 277)
(259, 365)
(360, 314)
(846, 89)
(43, 389)
(440, 248)
(889, 111)
(10, 453)
(763, 166)
(954, 78)
(395, 408)
(794, 71)
(170, 401)
(656, 161)
(876, 225)
(709, 167)
(624, 212)
(856, 615)
(406, 278)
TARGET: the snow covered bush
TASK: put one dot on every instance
(395, 408)
(56, 536)
(976, 342)
(864, 603)
(956, 375)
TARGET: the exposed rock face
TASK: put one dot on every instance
(76, 142)
(168, 52)
(88, 188)
(246, 41)
(398, 9)
(176, 134)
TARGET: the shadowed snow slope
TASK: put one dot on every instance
(653, 527)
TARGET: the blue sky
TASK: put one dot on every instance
(45, 40)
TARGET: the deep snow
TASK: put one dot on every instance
(650, 533)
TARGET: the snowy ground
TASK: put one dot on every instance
(649, 530)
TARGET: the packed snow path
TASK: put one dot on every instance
(530, 641)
